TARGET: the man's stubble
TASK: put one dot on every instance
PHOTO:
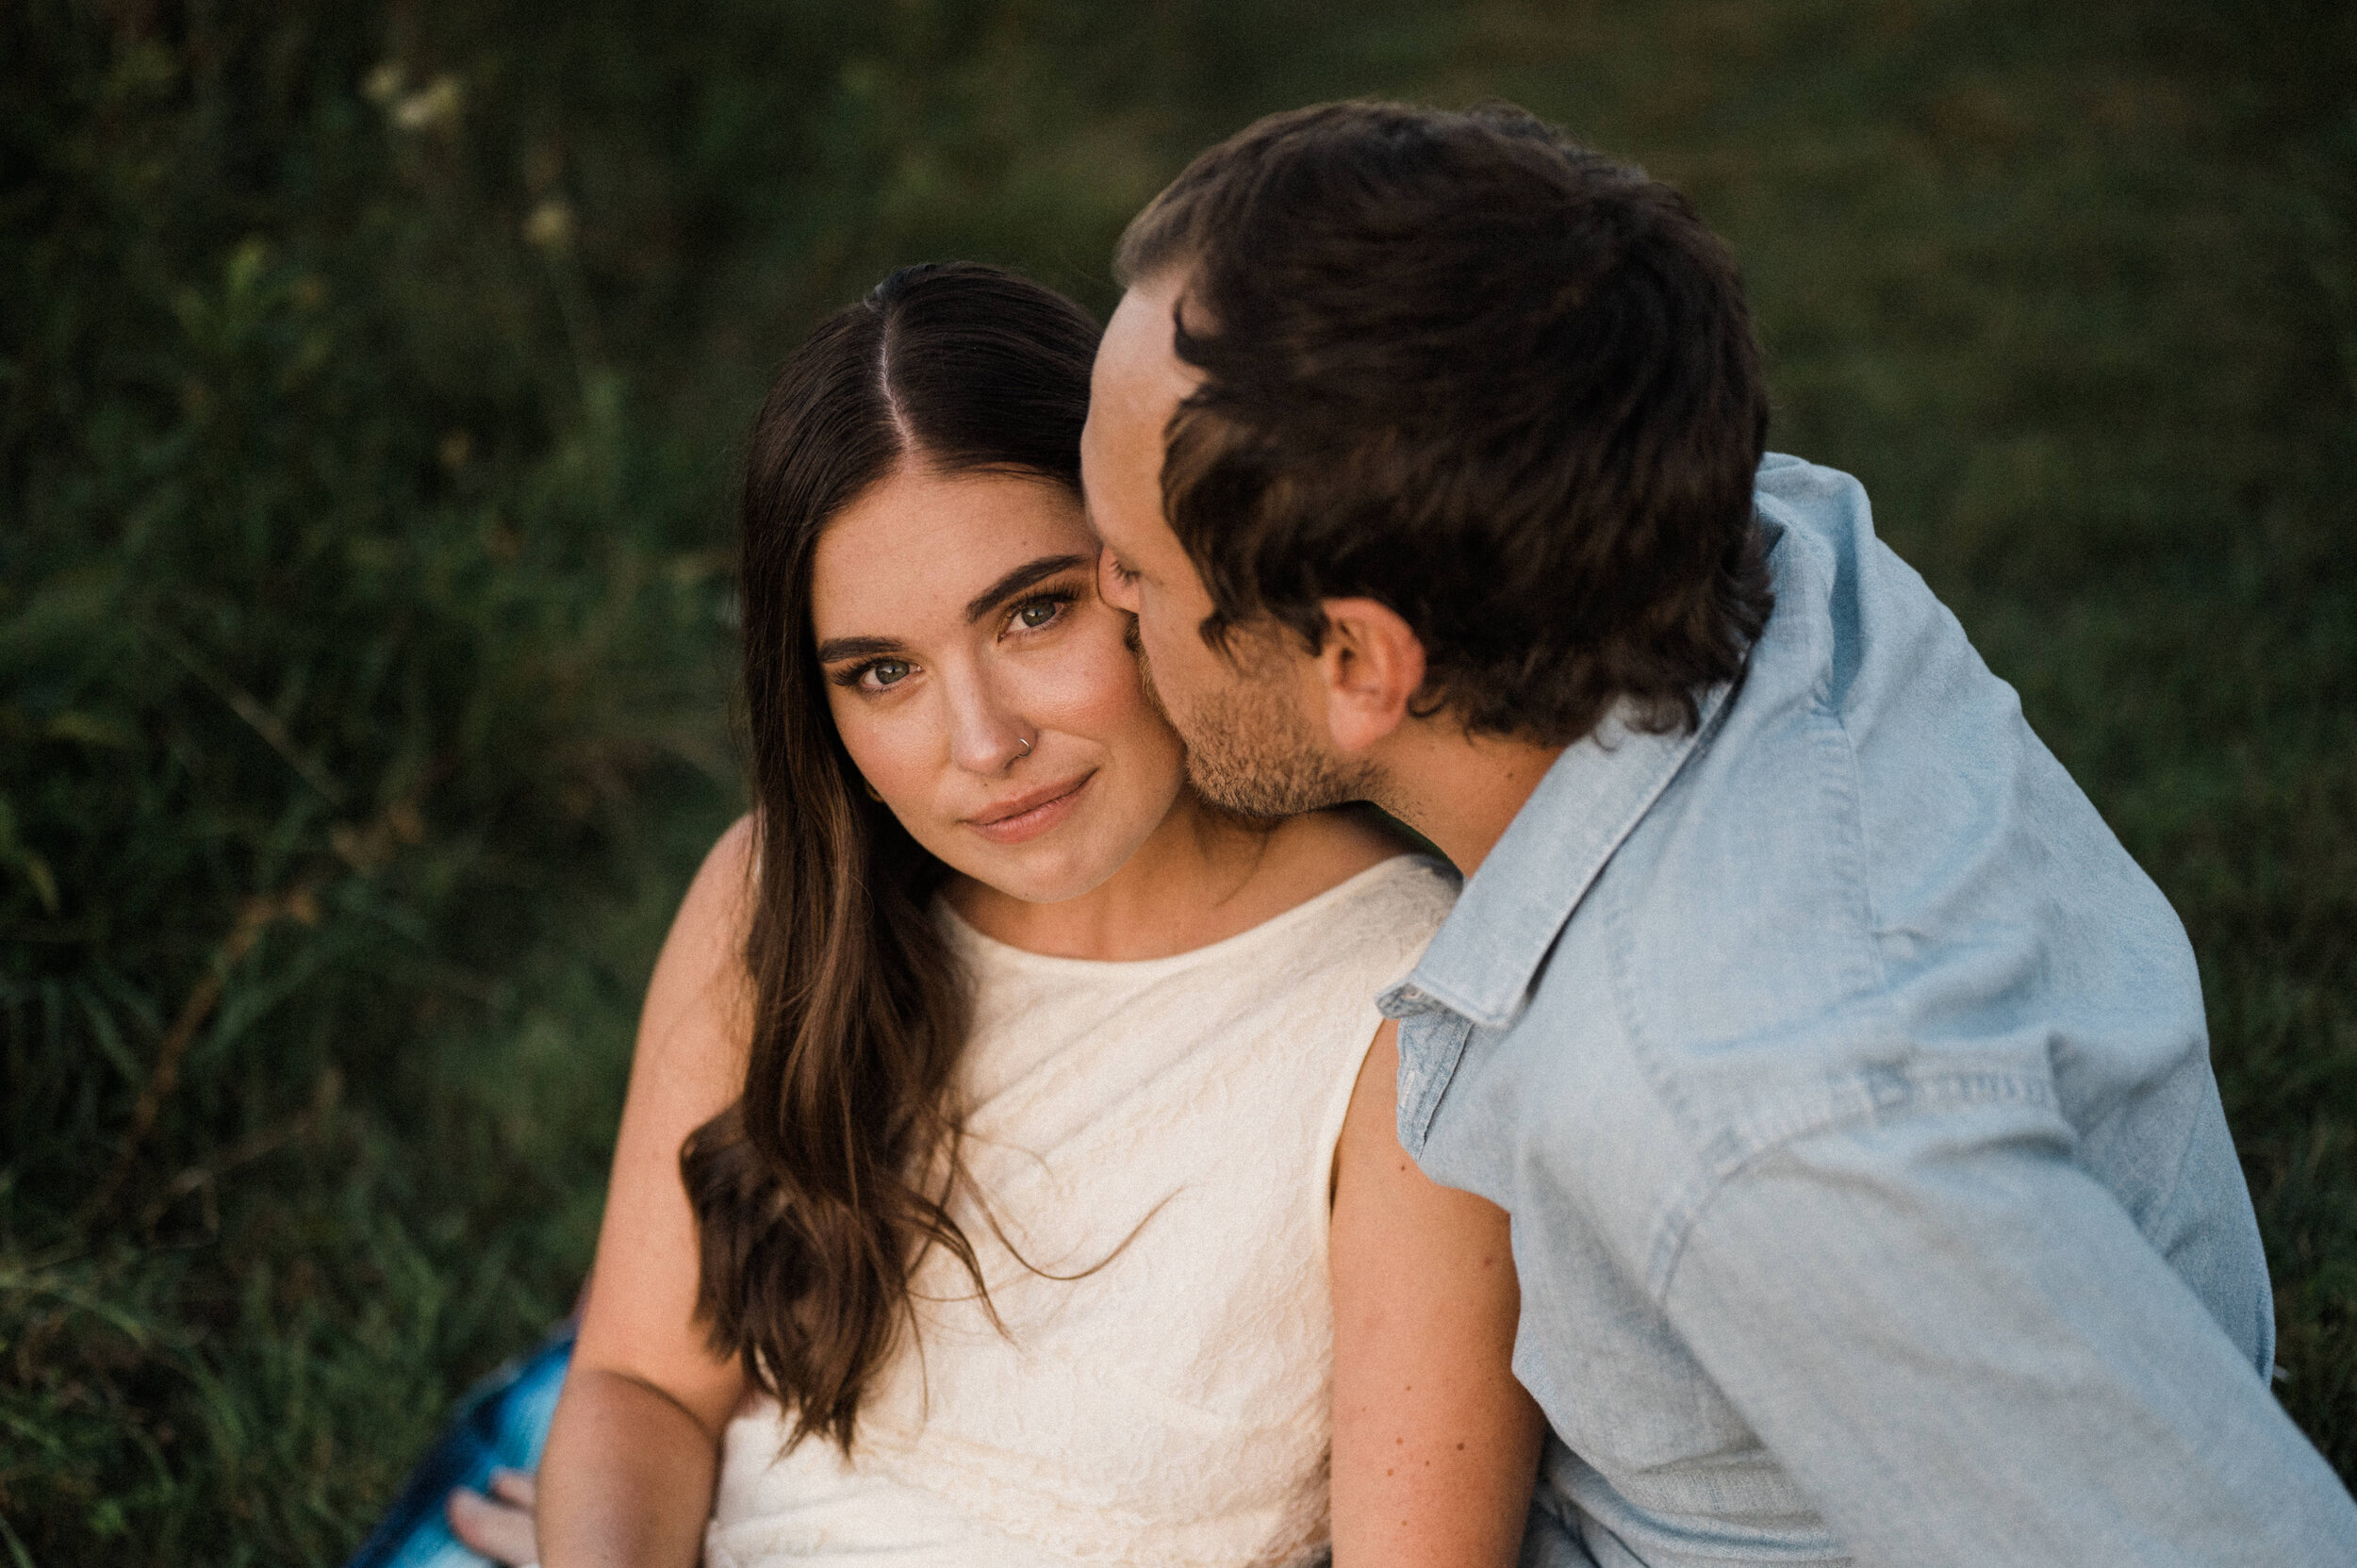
(1248, 748)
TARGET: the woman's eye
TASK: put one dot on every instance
(884, 672)
(1032, 613)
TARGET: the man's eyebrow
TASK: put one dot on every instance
(835, 648)
(1016, 581)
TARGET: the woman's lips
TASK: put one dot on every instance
(1026, 817)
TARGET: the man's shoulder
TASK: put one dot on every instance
(1872, 865)
(1865, 849)
(1745, 896)
(1796, 480)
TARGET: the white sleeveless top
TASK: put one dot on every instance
(1169, 1124)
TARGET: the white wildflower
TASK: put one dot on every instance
(436, 103)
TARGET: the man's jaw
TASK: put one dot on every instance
(1238, 756)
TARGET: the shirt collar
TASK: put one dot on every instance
(1482, 963)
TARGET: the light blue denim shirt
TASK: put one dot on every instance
(1849, 1088)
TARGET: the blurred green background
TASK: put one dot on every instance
(371, 383)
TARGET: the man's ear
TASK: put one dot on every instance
(1370, 669)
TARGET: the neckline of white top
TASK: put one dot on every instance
(1008, 951)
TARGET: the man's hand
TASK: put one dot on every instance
(498, 1525)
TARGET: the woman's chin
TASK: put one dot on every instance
(1071, 859)
(1067, 862)
(1046, 878)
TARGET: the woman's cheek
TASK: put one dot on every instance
(1111, 709)
(884, 753)
(1093, 691)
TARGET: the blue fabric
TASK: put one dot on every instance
(502, 1426)
(1850, 1090)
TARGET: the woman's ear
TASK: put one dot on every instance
(1371, 667)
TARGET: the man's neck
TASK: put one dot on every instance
(1460, 791)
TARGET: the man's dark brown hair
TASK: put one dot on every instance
(1456, 363)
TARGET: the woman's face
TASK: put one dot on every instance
(981, 685)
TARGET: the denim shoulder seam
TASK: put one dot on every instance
(1860, 874)
(1871, 1095)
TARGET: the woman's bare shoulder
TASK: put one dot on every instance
(720, 898)
(1344, 840)
(1320, 850)
(735, 855)
(701, 967)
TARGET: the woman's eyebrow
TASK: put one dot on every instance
(837, 649)
(834, 649)
(1014, 582)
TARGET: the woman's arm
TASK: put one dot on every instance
(1436, 1445)
(633, 1450)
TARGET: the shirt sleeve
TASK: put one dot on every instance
(1963, 1349)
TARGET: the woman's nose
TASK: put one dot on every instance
(985, 736)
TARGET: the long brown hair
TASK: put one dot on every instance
(816, 1193)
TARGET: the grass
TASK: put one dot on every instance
(370, 382)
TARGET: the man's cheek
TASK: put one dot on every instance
(1159, 652)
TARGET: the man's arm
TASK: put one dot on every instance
(1958, 1343)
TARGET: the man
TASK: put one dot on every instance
(1845, 1080)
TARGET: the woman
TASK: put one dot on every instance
(1008, 1175)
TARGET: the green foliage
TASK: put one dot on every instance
(368, 383)
(358, 644)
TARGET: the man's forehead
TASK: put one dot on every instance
(1138, 362)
